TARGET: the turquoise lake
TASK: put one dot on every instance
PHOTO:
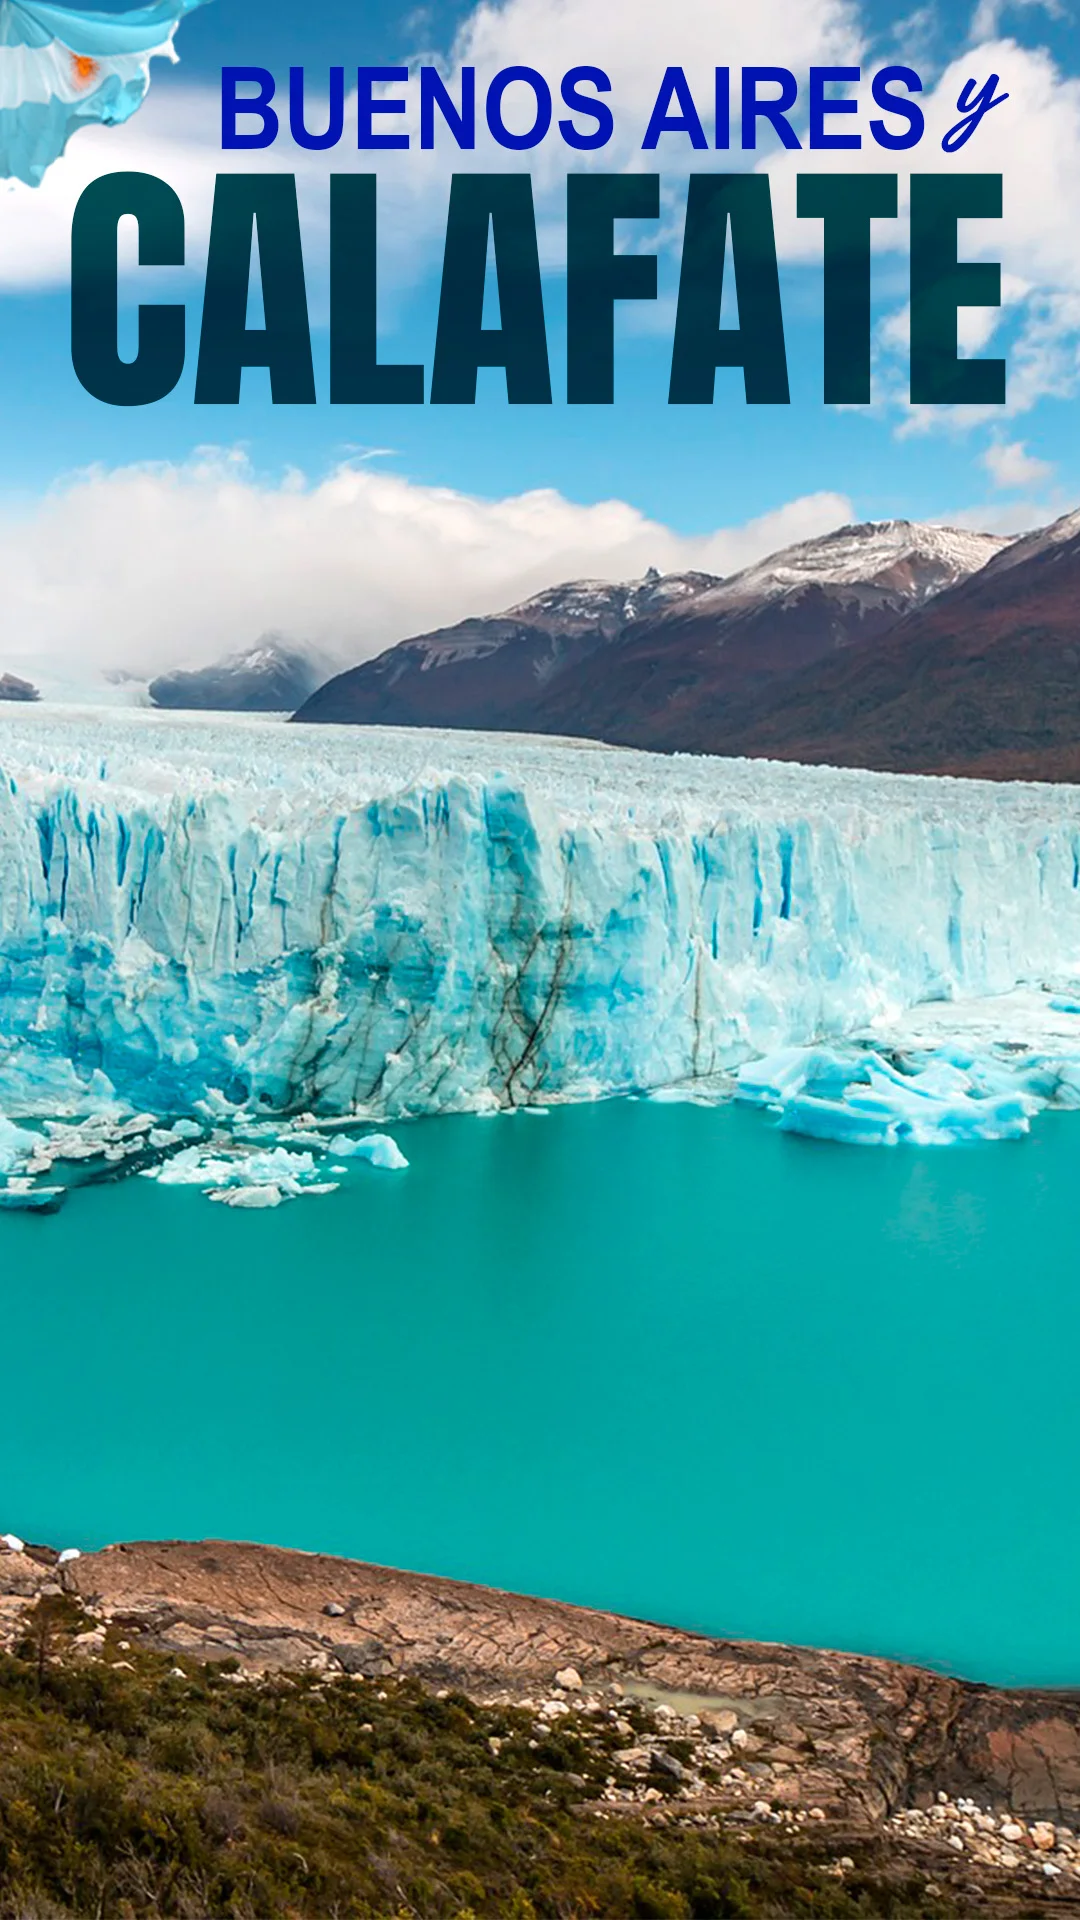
(658, 1358)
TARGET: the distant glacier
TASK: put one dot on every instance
(197, 915)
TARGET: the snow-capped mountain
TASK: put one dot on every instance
(672, 680)
(486, 672)
(888, 558)
(983, 678)
(1044, 540)
(274, 676)
(640, 664)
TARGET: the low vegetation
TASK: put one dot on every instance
(130, 1787)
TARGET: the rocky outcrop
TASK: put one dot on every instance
(272, 677)
(12, 688)
(860, 1740)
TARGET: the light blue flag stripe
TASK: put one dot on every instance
(31, 24)
(62, 69)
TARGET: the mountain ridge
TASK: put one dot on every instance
(983, 679)
(632, 662)
(530, 643)
(273, 676)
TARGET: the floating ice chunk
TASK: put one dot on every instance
(16, 1145)
(376, 1147)
(858, 1097)
(833, 1120)
(246, 1178)
(194, 1168)
(262, 1177)
(684, 1096)
(172, 1136)
(250, 1198)
(767, 1081)
(20, 1196)
(1067, 1089)
(100, 1137)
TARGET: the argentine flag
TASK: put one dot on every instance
(61, 69)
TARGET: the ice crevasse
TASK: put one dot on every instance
(285, 919)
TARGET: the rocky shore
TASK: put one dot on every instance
(976, 1790)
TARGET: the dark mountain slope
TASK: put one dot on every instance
(488, 672)
(272, 677)
(984, 679)
(655, 663)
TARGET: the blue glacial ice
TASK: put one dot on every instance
(862, 1097)
(218, 918)
(15, 1144)
(378, 1149)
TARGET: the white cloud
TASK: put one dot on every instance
(213, 555)
(1012, 468)
(911, 41)
(176, 135)
(988, 15)
(1007, 516)
(1033, 140)
(635, 40)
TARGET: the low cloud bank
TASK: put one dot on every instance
(146, 567)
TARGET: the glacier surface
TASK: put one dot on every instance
(199, 917)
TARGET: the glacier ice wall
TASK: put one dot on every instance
(400, 922)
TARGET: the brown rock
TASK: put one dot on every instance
(862, 1736)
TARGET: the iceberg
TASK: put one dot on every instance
(249, 1199)
(245, 921)
(20, 1195)
(15, 1144)
(249, 1178)
(858, 1096)
(378, 1149)
(279, 1168)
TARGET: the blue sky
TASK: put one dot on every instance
(690, 471)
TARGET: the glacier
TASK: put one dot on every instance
(213, 918)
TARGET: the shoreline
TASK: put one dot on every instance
(793, 1732)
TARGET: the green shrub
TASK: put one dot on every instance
(126, 1795)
